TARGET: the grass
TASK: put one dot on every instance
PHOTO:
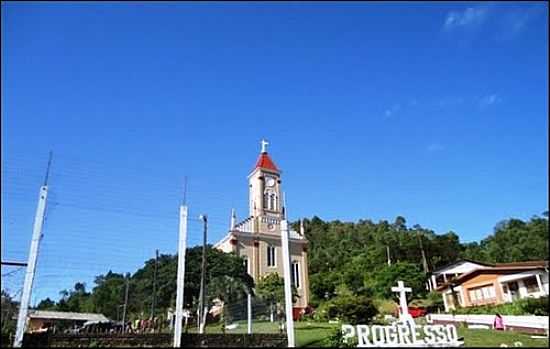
(316, 334)
(492, 338)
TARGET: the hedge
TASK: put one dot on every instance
(525, 306)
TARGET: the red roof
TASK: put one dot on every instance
(264, 161)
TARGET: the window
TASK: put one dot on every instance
(531, 284)
(296, 274)
(271, 201)
(266, 200)
(482, 294)
(488, 292)
(472, 294)
(271, 256)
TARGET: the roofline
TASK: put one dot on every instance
(462, 260)
(278, 172)
(540, 262)
(224, 239)
(65, 315)
(464, 277)
(269, 236)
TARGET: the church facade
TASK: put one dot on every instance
(257, 238)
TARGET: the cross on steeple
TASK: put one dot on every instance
(264, 145)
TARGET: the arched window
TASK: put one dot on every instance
(246, 264)
(295, 271)
(266, 200)
(271, 257)
(272, 201)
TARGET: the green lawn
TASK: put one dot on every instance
(316, 334)
(491, 338)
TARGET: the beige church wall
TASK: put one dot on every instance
(296, 255)
(245, 247)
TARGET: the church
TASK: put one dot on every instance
(257, 239)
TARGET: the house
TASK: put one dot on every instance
(257, 238)
(41, 320)
(443, 274)
(496, 284)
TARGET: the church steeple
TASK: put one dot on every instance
(265, 186)
(264, 160)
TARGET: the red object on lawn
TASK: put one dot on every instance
(413, 311)
(417, 311)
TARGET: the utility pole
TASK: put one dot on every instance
(202, 301)
(388, 254)
(33, 257)
(154, 301)
(182, 247)
(424, 261)
(125, 304)
(185, 190)
(249, 312)
(287, 278)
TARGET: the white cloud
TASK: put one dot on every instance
(488, 100)
(470, 17)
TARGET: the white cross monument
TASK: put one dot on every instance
(404, 315)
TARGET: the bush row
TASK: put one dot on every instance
(525, 306)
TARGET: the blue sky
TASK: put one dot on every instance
(437, 112)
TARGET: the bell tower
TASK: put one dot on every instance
(265, 199)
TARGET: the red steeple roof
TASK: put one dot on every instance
(264, 161)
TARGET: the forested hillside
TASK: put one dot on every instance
(355, 254)
(344, 258)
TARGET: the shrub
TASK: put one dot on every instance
(385, 306)
(431, 302)
(336, 340)
(525, 306)
(347, 307)
(536, 306)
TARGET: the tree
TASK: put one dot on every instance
(9, 312)
(348, 307)
(514, 240)
(271, 289)
(228, 290)
(46, 304)
(108, 293)
(381, 281)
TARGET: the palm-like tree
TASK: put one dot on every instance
(227, 290)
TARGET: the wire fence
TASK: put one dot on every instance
(104, 217)
(240, 316)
